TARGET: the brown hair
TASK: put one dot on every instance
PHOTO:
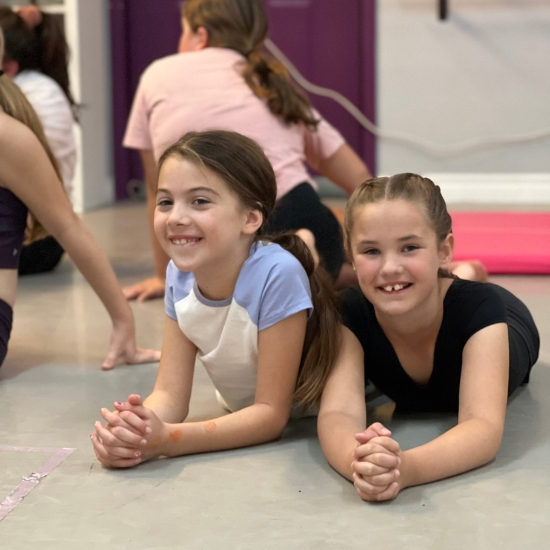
(245, 169)
(15, 104)
(43, 48)
(241, 25)
(411, 188)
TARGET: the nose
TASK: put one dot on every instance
(179, 215)
(391, 264)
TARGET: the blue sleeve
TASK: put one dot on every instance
(286, 291)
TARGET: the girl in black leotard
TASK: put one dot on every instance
(430, 341)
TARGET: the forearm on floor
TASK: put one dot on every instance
(468, 445)
(253, 425)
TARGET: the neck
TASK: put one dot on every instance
(218, 282)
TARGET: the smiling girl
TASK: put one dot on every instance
(428, 340)
(235, 301)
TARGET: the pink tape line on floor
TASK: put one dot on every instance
(28, 483)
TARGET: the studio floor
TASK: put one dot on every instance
(281, 495)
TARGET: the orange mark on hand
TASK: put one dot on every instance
(176, 435)
(157, 441)
(210, 427)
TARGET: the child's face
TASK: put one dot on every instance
(397, 256)
(199, 221)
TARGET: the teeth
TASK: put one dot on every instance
(185, 241)
(390, 288)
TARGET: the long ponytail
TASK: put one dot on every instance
(322, 341)
(241, 25)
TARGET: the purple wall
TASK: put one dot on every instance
(332, 43)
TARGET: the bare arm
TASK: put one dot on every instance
(343, 411)
(279, 349)
(154, 286)
(172, 392)
(345, 169)
(28, 173)
(482, 408)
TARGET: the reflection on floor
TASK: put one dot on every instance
(280, 495)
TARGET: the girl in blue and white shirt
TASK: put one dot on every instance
(262, 320)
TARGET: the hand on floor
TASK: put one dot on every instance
(148, 289)
(376, 466)
(123, 350)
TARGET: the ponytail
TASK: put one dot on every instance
(54, 55)
(241, 25)
(322, 341)
(269, 80)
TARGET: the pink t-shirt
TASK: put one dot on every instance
(204, 90)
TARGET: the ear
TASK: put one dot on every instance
(253, 222)
(201, 39)
(10, 67)
(446, 249)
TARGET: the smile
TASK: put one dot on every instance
(395, 288)
(185, 241)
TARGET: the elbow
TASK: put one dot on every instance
(274, 424)
(493, 440)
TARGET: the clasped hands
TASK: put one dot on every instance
(376, 464)
(132, 435)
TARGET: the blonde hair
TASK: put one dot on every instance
(408, 187)
(15, 104)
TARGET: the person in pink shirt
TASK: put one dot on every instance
(221, 79)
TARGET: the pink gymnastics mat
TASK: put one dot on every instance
(506, 242)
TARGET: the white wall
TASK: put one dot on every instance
(485, 72)
(87, 28)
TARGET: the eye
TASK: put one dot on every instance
(371, 252)
(200, 201)
(410, 248)
(164, 202)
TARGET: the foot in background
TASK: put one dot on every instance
(472, 270)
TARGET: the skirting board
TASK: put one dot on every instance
(520, 188)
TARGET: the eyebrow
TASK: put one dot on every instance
(192, 190)
(401, 239)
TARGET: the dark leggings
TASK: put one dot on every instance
(40, 256)
(6, 320)
(301, 208)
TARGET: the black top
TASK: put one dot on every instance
(467, 308)
(13, 221)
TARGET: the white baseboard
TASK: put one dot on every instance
(521, 188)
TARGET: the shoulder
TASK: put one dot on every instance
(270, 259)
(272, 285)
(474, 305)
(470, 295)
(17, 144)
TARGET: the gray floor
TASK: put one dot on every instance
(280, 495)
